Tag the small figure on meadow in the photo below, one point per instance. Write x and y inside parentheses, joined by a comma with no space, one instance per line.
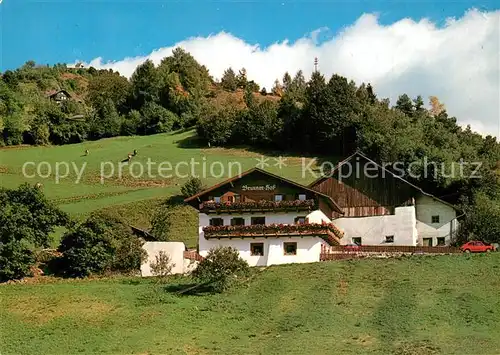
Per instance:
(86,152)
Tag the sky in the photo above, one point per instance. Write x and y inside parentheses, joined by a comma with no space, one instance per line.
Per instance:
(449,49)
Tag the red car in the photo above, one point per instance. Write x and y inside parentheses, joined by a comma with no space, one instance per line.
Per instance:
(475,246)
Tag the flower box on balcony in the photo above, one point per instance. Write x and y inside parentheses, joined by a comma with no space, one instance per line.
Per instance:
(262,205)
(329,231)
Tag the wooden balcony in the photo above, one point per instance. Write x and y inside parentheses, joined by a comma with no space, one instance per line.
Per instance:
(257,206)
(329,232)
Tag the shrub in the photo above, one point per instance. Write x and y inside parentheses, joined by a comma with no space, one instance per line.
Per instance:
(191,187)
(155,119)
(220,268)
(100,244)
(162,266)
(162,222)
(130,123)
(15,261)
(41,134)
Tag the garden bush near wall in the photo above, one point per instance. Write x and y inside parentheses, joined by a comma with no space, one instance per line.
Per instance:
(98,245)
(221,268)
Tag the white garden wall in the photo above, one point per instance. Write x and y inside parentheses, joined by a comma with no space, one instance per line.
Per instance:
(308,249)
(174,249)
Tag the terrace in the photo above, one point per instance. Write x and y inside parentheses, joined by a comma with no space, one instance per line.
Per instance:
(257,206)
(328,231)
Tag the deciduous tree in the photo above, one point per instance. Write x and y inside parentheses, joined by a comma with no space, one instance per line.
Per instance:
(27,220)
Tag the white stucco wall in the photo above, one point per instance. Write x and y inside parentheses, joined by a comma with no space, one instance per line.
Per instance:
(373,230)
(426,207)
(308,248)
(174,249)
(318,217)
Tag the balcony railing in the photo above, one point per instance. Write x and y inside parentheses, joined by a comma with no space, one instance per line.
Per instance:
(262,205)
(328,231)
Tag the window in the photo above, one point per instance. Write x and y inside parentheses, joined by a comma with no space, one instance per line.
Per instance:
(237,221)
(441,241)
(290,248)
(302,197)
(278,198)
(389,239)
(356,240)
(217,199)
(216,222)
(257,249)
(237,198)
(230,199)
(427,242)
(258,220)
(435,219)
(300,220)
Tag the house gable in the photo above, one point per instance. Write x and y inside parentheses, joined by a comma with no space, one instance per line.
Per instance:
(257,185)
(433,212)
(362,187)
(59,95)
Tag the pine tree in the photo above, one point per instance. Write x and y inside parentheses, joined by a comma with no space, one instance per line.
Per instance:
(228,80)
(405,105)
(241,79)
(287,82)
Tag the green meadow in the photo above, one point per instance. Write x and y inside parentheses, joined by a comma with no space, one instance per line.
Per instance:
(415,305)
(124,191)
(410,306)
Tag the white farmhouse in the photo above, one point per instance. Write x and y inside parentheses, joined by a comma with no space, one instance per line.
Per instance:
(268,219)
(271,220)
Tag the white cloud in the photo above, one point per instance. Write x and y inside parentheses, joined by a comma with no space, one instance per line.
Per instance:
(459,63)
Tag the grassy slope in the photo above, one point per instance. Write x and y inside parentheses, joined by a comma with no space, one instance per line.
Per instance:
(426,305)
(133,199)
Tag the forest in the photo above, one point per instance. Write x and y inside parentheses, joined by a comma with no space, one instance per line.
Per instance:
(327,117)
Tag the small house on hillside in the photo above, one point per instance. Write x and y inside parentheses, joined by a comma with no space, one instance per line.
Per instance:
(59,96)
(270,220)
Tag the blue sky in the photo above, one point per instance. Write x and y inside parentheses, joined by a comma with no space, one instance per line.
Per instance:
(66,30)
